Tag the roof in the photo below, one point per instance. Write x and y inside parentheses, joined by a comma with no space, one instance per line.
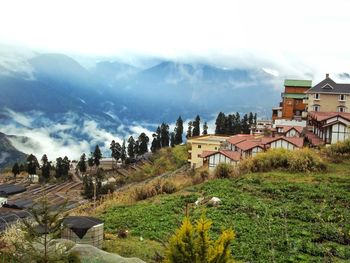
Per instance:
(297,141)
(297,83)
(330,86)
(19,204)
(247,145)
(233,155)
(322,116)
(81,224)
(11,189)
(216,139)
(239,138)
(294,95)
(287,128)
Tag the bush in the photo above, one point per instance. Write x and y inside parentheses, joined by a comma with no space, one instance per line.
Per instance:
(168,188)
(142,193)
(301,160)
(338,150)
(107,188)
(224,170)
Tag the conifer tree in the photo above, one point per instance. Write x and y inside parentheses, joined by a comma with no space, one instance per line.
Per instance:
(46,167)
(245,124)
(65,167)
(205,128)
(172,139)
(250,119)
(15,170)
(143,143)
(196,126)
(97,156)
(82,164)
(137,148)
(237,125)
(32,164)
(164,135)
(123,153)
(179,129)
(220,123)
(59,167)
(189,130)
(116,150)
(131,146)
(91,160)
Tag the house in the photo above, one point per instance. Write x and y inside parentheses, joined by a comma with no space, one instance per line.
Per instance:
(199,144)
(329,96)
(213,158)
(292,105)
(261,127)
(328,127)
(288,143)
(287,131)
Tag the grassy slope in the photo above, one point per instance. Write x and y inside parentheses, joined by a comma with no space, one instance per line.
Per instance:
(277,216)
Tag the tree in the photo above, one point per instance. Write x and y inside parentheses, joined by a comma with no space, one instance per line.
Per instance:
(65,167)
(245,124)
(250,119)
(131,145)
(164,135)
(238,124)
(220,123)
(82,164)
(97,156)
(143,143)
(189,130)
(46,167)
(196,126)
(179,129)
(116,149)
(123,152)
(193,244)
(205,128)
(137,148)
(15,170)
(156,143)
(32,164)
(172,139)
(91,160)
(59,167)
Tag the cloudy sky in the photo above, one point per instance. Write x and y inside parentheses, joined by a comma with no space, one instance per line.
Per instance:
(295,37)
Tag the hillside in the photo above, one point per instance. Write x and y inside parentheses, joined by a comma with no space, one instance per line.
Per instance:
(8,153)
(277,216)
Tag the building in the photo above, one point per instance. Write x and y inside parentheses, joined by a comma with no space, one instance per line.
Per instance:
(293,104)
(287,131)
(203,143)
(328,127)
(213,158)
(329,96)
(261,127)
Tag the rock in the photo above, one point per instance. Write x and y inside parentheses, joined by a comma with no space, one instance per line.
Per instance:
(88,253)
(215,201)
(199,201)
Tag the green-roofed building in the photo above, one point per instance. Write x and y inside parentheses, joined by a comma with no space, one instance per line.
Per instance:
(292,106)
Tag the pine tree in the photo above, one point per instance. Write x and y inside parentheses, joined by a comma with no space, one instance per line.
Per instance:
(123,152)
(251,119)
(164,135)
(179,129)
(172,139)
(245,124)
(237,125)
(196,126)
(15,170)
(65,167)
(116,150)
(59,167)
(143,145)
(137,148)
(32,164)
(205,128)
(189,130)
(131,146)
(255,118)
(97,156)
(46,167)
(82,164)
(91,160)
(220,123)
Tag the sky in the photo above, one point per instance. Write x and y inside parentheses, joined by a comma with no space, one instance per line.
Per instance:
(284,37)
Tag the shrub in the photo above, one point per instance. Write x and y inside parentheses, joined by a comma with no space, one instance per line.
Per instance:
(224,170)
(107,188)
(338,150)
(168,188)
(142,193)
(306,160)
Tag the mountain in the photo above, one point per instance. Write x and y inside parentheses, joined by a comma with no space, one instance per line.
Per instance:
(8,153)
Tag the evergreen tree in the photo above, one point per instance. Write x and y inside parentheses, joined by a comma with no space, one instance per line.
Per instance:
(237,124)
(179,129)
(65,167)
(220,123)
(15,170)
(255,118)
(82,164)
(205,128)
(164,135)
(116,150)
(59,167)
(189,130)
(46,167)
(251,119)
(97,156)
(156,142)
(123,152)
(172,139)
(131,146)
(91,160)
(143,143)
(32,164)
(196,126)
(137,148)
(245,124)
(88,186)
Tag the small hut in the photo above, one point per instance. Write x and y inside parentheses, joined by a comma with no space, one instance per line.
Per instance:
(83,230)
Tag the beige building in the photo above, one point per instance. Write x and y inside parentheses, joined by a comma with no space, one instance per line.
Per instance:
(329,96)
(203,143)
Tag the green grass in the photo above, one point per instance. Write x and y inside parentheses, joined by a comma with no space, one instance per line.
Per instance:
(277,216)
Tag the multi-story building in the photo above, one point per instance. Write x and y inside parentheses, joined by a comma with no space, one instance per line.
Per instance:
(329,96)
(203,143)
(292,105)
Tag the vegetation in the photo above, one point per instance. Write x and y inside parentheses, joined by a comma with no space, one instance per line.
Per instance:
(300,160)
(224,170)
(338,151)
(234,124)
(278,216)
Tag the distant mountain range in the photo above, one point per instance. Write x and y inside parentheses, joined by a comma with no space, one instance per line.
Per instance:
(8,153)
(114,96)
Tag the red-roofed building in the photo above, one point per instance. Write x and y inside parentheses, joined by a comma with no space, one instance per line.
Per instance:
(212,159)
(288,131)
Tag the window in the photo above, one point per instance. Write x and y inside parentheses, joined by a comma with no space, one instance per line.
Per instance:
(216,148)
(341,109)
(199,146)
(317,96)
(316,108)
(342,97)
